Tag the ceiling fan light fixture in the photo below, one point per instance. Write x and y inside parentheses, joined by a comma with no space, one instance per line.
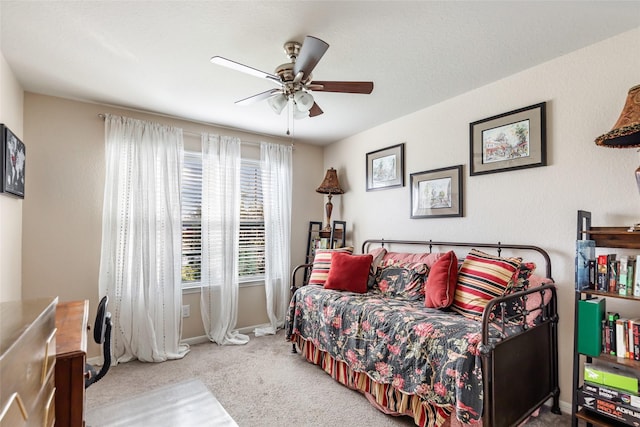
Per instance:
(297,114)
(304,101)
(277,103)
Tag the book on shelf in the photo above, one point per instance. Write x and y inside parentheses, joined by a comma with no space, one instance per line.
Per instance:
(615,410)
(631,270)
(602,273)
(590,315)
(610,333)
(636,279)
(585,252)
(616,376)
(613,273)
(623,269)
(622,337)
(613,394)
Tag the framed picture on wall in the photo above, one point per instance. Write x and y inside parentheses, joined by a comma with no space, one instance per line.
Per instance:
(13,163)
(509,141)
(385,168)
(437,193)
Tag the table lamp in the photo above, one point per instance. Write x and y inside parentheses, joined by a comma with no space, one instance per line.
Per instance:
(626,131)
(330,185)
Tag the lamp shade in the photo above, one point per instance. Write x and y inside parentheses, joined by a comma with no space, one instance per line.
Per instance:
(626,131)
(297,114)
(304,100)
(277,103)
(330,184)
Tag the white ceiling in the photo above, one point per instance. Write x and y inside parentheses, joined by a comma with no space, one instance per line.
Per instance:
(154,55)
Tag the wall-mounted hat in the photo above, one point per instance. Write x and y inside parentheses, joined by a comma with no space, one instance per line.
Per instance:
(626,131)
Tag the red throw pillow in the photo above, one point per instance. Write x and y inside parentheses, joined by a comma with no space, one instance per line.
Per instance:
(441,282)
(349,272)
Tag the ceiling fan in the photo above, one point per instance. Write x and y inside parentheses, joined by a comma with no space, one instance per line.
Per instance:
(294,79)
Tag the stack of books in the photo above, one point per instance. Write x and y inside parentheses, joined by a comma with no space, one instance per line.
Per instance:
(621,336)
(612,392)
(601,332)
(616,274)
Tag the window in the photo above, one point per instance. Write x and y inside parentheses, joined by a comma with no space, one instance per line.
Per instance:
(251,251)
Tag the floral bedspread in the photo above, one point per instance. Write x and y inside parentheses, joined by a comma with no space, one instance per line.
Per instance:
(422,351)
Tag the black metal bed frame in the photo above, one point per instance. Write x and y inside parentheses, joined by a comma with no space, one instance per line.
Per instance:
(520,372)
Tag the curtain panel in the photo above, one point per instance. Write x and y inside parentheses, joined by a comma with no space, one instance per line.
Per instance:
(276,166)
(140,264)
(221,165)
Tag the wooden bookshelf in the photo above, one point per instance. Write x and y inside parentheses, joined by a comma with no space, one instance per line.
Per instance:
(615,237)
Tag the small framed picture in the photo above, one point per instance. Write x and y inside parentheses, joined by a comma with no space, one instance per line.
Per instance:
(13,163)
(437,193)
(385,168)
(509,141)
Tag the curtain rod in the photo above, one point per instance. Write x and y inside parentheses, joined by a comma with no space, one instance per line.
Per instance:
(103,116)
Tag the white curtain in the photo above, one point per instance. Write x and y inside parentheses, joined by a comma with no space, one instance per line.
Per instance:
(140,262)
(220,238)
(275,163)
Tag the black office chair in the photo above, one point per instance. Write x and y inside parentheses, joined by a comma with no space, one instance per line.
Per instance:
(102,335)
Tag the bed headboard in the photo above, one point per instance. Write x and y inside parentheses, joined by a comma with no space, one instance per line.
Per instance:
(431,245)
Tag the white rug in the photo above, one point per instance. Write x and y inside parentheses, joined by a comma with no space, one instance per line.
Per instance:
(188,403)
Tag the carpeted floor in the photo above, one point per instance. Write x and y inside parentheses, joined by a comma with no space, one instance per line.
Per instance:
(260,384)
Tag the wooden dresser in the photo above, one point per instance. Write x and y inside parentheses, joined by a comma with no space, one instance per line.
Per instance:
(27,360)
(71,356)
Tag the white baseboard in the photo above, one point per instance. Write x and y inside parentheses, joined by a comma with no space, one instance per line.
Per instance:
(204,339)
(195,340)
(565,407)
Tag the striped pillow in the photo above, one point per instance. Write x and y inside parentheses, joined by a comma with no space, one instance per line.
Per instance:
(481,278)
(322,263)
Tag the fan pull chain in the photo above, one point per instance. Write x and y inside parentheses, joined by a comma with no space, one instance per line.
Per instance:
(290,121)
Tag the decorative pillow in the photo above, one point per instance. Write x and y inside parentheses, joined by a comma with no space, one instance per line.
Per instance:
(322,262)
(377,254)
(403,257)
(441,282)
(402,280)
(521,282)
(349,272)
(535,299)
(481,278)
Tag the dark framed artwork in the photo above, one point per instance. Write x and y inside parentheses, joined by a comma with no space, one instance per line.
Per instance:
(437,193)
(13,162)
(509,141)
(385,168)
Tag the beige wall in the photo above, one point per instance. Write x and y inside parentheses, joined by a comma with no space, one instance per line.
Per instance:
(11,103)
(585,91)
(63,211)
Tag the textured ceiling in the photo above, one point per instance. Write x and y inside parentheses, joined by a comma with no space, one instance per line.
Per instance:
(154,55)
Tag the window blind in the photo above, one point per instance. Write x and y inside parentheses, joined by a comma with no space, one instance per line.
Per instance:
(191,218)
(251,236)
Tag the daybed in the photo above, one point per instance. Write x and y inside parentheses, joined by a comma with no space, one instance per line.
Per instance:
(443,337)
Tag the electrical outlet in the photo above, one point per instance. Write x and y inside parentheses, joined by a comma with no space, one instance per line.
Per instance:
(186,310)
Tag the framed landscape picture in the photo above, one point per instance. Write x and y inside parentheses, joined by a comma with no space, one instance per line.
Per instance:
(437,193)
(509,141)
(12,163)
(385,168)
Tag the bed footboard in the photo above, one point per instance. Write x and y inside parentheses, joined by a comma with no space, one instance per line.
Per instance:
(520,369)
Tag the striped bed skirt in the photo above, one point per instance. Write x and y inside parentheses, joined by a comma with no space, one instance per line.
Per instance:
(385,397)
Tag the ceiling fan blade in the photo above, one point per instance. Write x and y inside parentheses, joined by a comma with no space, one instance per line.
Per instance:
(315,110)
(219,60)
(310,53)
(345,87)
(258,97)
